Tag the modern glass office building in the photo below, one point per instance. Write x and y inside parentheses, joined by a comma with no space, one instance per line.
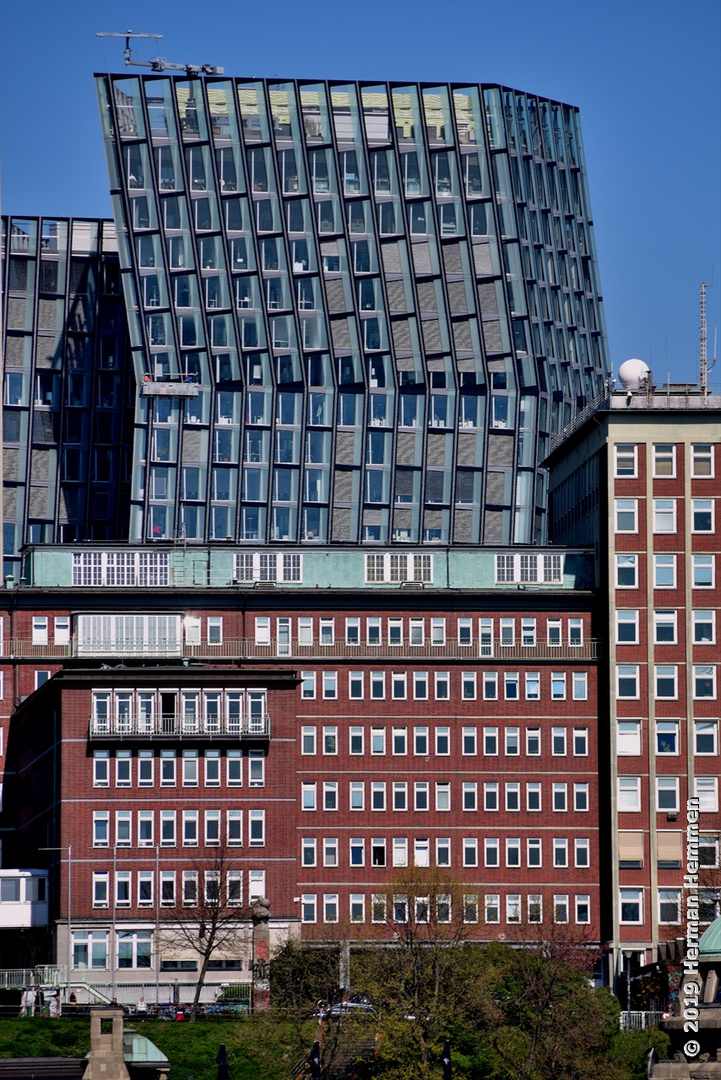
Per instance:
(68,395)
(357,312)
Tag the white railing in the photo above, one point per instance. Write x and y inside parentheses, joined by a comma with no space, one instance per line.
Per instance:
(639,1021)
(44,975)
(249,648)
(181,726)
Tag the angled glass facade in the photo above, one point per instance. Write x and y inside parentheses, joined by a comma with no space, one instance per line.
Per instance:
(68,395)
(357,312)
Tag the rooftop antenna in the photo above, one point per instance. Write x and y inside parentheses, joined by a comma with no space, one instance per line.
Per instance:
(158,63)
(702,352)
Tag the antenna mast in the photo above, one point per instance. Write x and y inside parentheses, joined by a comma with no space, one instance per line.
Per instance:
(703,343)
(158,63)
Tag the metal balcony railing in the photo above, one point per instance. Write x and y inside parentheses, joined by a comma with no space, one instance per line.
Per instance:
(44,975)
(180,726)
(249,649)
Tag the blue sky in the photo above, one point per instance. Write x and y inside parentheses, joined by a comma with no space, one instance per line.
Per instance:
(644,74)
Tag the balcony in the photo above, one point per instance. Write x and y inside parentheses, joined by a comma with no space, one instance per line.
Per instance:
(23,899)
(180,726)
(292,649)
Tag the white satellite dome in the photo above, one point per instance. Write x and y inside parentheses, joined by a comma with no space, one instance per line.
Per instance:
(631,372)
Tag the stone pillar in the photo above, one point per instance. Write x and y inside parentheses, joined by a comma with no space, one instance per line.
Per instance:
(107,1059)
(261,955)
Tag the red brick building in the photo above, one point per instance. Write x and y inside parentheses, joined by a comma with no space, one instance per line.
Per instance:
(325,741)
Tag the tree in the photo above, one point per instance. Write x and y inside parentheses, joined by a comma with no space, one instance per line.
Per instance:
(210,918)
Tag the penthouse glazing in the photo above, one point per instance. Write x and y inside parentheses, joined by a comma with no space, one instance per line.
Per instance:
(357,312)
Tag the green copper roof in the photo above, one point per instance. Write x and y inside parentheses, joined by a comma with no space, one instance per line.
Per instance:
(710,943)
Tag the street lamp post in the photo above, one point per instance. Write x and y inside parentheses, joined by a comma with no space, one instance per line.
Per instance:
(69,849)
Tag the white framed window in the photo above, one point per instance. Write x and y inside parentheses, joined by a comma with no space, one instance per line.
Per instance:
(330,685)
(101,768)
(234,768)
(534,852)
(357,907)
(256,768)
(308,741)
(512,742)
(558,742)
(420,685)
(308,796)
(123,889)
(443,795)
(664,460)
(560,852)
(579,681)
(420,741)
(330,851)
(580,797)
(575,632)
(378,741)
(703,569)
(629,794)
(352,631)
(146,828)
(702,463)
(398,685)
(513,908)
(533,742)
(268,566)
(123,768)
(535,907)
(558,685)
(470,795)
(703,515)
(442,685)
(669,905)
(628,739)
(583,908)
(101,828)
(528,633)
(626,460)
(704,627)
(513,851)
(627,626)
(706,789)
(400,851)
(443,851)
(490,741)
(664,515)
(234,828)
(40,630)
(378,685)
(704,682)
(307,687)
(626,571)
(667,796)
(533,796)
(468,685)
(61,628)
(214,629)
(190,828)
(631,906)
(666,681)
(626,515)
(470,908)
(667,737)
(560,908)
(308,908)
(167,828)
(443,741)
(664,571)
(357,853)
(533,686)
(491,851)
(560,798)
(357,794)
(397,568)
(330,796)
(664,627)
(326,632)
(627,683)
(356,740)
(490,796)
(554,632)
(510,685)
(705,737)
(490,685)
(469,742)
(492,908)
(256,828)
(101,889)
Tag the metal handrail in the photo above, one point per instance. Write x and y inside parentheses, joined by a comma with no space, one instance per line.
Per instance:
(248,648)
(43,975)
(180,726)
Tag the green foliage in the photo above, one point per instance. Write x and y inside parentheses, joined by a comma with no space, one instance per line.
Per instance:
(630,1047)
(260,1046)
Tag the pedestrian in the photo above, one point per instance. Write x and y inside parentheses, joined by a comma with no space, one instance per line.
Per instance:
(72,1000)
(54,1005)
(27,1001)
(142,1006)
